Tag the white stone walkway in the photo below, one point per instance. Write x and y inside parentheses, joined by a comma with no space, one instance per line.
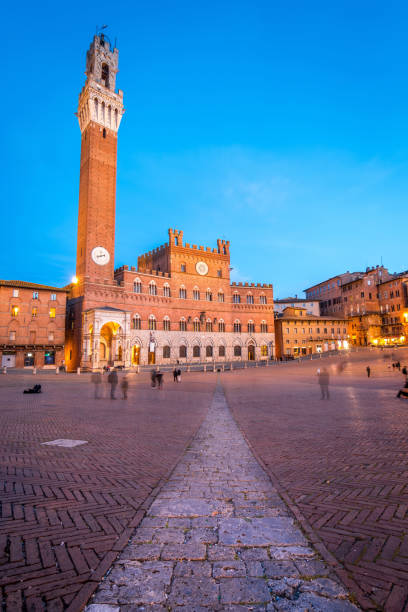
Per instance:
(219,537)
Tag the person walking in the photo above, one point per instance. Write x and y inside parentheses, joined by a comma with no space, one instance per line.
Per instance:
(368,371)
(159,376)
(124,385)
(97,381)
(175,374)
(179,375)
(323,380)
(113,381)
(153,377)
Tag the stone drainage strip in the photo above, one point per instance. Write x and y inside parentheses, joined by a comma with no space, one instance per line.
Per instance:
(219,537)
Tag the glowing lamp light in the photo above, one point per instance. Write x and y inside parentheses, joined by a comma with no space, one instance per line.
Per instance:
(74,280)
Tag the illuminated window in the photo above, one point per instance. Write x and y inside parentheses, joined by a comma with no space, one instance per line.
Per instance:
(14,311)
(152,322)
(53,296)
(221,326)
(166,324)
(52,313)
(264,350)
(34,312)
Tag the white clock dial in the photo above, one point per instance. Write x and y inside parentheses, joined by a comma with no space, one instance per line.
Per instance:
(100,255)
(201,268)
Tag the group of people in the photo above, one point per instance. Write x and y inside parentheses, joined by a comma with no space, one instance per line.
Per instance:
(113,381)
(157,379)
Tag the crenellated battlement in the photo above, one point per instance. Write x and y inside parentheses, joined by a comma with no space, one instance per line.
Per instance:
(255,285)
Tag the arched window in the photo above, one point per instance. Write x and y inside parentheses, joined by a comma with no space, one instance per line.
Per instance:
(137,322)
(109,116)
(182,293)
(250,298)
(105,75)
(221,325)
(264,327)
(221,351)
(208,325)
(262,299)
(96,108)
(221,296)
(116,117)
(196,293)
(196,351)
(251,327)
(183,324)
(103,111)
(264,350)
(196,324)
(152,322)
(152,288)
(137,286)
(237,327)
(166,352)
(237,351)
(166,290)
(166,323)
(176,241)
(236,298)
(209,351)
(183,351)
(208,295)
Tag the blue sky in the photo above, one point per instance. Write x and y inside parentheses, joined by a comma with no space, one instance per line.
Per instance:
(280,126)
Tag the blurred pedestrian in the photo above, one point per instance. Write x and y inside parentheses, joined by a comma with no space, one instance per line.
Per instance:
(175,374)
(368,371)
(398,365)
(124,385)
(179,375)
(153,377)
(323,379)
(159,376)
(113,381)
(97,381)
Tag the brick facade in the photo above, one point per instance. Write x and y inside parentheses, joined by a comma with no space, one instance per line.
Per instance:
(32,324)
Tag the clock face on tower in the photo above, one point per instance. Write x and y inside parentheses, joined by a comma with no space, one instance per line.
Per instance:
(100,255)
(202,268)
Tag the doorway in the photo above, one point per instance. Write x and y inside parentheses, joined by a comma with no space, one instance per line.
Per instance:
(135,355)
(152,357)
(251,352)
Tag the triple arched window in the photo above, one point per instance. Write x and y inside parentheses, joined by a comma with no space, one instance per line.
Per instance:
(236,298)
(152,322)
(152,288)
(183,324)
(166,323)
(251,327)
(237,326)
(137,322)
(221,325)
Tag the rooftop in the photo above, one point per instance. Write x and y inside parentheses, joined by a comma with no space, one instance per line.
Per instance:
(25,285)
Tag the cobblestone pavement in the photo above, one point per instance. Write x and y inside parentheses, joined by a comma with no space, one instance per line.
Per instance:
(66,513)
(219,537)
(343,463)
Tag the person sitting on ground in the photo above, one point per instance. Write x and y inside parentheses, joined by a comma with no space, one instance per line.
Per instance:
(35,389)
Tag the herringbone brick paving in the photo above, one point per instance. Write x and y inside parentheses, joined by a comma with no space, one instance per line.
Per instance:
(343,462)
(67,512)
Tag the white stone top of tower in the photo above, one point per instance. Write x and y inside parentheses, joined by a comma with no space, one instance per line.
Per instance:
(98,101)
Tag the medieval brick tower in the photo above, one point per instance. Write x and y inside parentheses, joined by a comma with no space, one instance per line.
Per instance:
(100,110)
